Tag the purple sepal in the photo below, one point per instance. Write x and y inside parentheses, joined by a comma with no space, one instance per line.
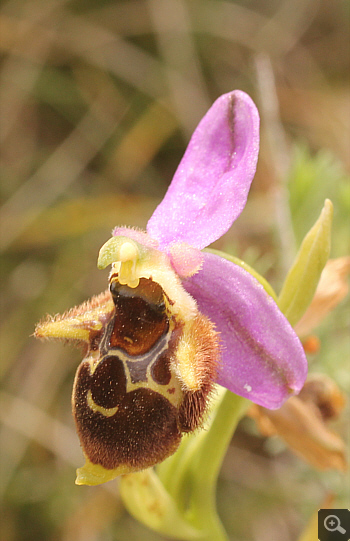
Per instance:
(211,185)
(262,357)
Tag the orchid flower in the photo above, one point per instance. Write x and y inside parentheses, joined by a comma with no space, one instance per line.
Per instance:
(176,320)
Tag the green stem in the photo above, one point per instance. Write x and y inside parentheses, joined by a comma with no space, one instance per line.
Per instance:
(206,468)
(224,423)
(184,490)
(176,470)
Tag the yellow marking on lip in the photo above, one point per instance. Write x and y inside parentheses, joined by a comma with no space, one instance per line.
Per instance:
(107,412)
(94,361)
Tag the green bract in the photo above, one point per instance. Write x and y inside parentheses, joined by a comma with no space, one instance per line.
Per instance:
(146,498)
(302,279)
(179,500)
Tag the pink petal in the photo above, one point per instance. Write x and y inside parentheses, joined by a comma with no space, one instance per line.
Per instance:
(185,259)
(262,357)
(210,187)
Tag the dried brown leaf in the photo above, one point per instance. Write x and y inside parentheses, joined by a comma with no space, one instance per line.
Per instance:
(300,422)
(331,290)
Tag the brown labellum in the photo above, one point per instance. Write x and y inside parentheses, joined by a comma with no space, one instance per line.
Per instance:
(132,397)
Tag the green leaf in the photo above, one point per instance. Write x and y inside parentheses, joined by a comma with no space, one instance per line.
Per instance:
(302,279)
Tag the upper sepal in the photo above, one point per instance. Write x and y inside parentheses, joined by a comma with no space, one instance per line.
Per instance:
(211,185)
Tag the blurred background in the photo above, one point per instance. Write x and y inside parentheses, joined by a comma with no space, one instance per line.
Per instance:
(98,100)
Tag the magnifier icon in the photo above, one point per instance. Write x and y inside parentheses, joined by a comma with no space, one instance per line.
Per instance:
(332,524)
